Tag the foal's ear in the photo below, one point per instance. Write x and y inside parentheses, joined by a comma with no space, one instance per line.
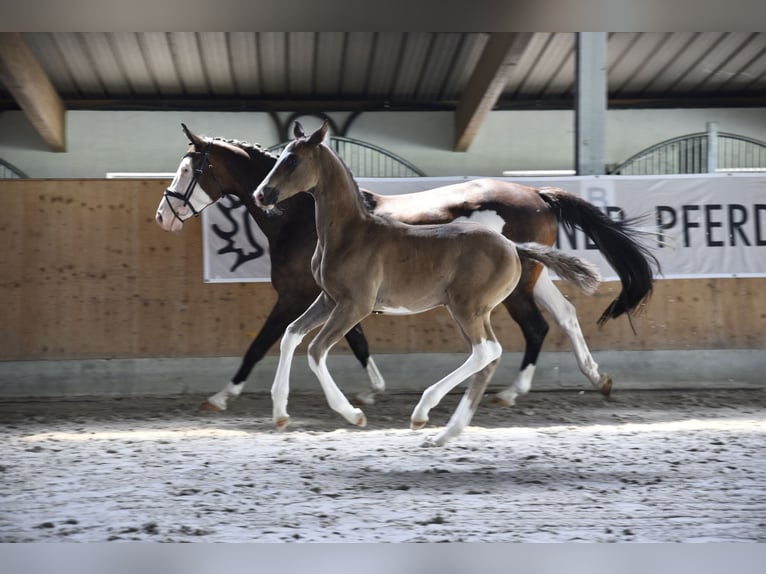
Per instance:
(298,130)
(318,136)
(193,138)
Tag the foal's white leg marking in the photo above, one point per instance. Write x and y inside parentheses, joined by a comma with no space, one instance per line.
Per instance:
(230,391)
(481,356)
(281,387)
(377,384)
(565,315)
(520,386)
(335,397)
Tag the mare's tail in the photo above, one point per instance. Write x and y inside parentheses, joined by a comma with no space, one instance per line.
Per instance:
(572,269)
(618,242)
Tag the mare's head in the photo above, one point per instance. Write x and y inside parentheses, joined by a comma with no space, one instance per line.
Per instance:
(195,186)
(296,170)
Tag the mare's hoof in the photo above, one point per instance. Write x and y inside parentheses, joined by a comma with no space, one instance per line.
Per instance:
(281,424)
(417,425)
(499,401)
(363,399)
(361,421)
(208,406)
(605,385)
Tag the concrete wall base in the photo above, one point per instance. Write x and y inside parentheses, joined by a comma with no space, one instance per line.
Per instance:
(631,370)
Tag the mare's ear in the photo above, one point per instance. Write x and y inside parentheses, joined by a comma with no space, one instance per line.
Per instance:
(318,136)
(298,130)
(194,139)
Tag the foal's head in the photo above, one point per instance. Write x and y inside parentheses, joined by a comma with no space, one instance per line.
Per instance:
(296,170)
(194,187)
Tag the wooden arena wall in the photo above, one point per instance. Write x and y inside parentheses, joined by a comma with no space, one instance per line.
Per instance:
(86,273)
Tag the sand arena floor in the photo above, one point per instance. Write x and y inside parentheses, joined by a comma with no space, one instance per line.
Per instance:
(664,466)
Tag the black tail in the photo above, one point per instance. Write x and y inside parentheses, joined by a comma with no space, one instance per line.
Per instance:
(618,242)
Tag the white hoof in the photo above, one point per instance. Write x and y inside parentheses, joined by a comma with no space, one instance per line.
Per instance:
(365,398)
(216,403)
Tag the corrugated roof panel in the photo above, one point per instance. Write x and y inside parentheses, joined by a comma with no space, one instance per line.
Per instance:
(715,68)
(710,45)
(356,61)
(403,68)
(329,63)
(526,75)
(74,54)
(300,63)
(678,62)
(128,52)
(412,64)
(245,70)
(562,80)
(273,62)
(105,64)
(637,64)
(155,47)
(441,59)
(746,65)
(50,58)
(185,49)
(557,52)
(214,52)
(469,50)
(384,64)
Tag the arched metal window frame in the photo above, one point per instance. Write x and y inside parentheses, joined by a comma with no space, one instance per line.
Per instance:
(700,139)
(338,142)
(9,167)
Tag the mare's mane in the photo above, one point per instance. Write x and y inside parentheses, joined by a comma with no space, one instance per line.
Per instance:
(255,151)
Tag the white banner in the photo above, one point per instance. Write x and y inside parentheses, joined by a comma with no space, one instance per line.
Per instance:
(706,225)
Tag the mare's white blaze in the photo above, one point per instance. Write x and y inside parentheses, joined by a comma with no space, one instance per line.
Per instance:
(199,198)
(565,315)
(220,399)
(486,217)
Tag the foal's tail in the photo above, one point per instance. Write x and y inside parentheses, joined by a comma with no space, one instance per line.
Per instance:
(572,269)
(618,242)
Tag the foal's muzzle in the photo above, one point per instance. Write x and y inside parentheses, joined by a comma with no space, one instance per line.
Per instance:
(266,197)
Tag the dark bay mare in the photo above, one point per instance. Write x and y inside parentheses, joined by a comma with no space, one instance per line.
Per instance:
(368,263)
(214,167)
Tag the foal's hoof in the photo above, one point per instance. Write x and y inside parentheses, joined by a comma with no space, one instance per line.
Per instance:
(605,385)
(281,424)
(208,406)
(417,425)
(361,421)
(500,401)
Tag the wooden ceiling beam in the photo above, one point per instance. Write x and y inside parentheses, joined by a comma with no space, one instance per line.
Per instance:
(488,80)
(30,86)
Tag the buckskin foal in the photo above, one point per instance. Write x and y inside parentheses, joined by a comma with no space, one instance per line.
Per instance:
(366,263)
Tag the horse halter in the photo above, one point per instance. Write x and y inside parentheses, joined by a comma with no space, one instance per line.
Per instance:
(185,197)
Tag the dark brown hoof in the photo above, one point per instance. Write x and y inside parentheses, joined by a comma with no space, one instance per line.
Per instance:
(417,425)
(605,385)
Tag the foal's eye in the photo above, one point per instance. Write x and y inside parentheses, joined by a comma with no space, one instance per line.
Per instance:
(290,162)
